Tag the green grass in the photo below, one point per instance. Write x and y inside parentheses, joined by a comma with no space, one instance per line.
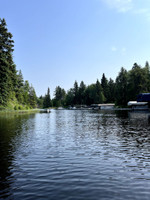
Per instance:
(13,106)
(10,111)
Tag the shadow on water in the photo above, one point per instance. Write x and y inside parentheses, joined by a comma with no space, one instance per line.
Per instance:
(11,126)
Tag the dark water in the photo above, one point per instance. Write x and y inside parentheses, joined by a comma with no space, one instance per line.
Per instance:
(74,154)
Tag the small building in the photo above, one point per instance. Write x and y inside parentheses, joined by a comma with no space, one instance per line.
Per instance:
(109,106)
(134,105)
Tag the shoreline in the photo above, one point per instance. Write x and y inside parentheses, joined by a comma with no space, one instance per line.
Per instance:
(19,111)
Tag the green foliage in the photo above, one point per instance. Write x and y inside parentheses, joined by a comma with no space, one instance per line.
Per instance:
(7,67)
(40,102)
(81,93)
(32,97)
(59,97)
(127,86)
(16,107)
(14,93)
(105,86)
(99,98)
(121,94)
(138,80)
(56,103)
(111,91)
(76,93)
(47,100)
(2,108)
(94,94)
(70,97)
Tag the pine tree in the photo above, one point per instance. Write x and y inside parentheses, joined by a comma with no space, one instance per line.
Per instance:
(7,66)
(19,87)
(60,95)
(76,93)
(111,91)
(82,89)
(99,93)
(121,90)
(26,89)
(32,97)
(104,84)
(47,100)
(70,97)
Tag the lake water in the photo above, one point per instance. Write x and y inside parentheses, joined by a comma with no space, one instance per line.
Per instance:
(75,154)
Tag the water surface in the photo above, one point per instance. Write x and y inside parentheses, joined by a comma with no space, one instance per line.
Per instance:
(75,154)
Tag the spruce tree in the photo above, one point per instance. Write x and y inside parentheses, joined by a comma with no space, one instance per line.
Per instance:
(121,89)
(104,84)
(82,89)
(47,100)
(7,66)
(32,97)
(76,93)
(19,87)
(99,93)
(60,95)
(111,91)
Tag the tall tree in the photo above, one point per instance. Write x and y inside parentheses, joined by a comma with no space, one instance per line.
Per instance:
(7,66)
(81,93)
(47,100)
(138,81)
(40,102)
(90,94)
(104,84)
(32,97)
(26,89)
(99,93)
(111,91)
(70,97)
(19,89)
(76,93)
(94,94)
(59,96)
(121,92)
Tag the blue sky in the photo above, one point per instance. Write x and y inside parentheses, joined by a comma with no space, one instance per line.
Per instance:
(60,41)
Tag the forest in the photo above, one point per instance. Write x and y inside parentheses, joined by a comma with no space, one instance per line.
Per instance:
(126,87)
(16,93)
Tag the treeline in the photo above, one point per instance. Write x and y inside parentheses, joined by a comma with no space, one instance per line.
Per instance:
(14,91)
(126,87)
(19,94)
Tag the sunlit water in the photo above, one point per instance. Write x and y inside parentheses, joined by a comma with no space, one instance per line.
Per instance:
(75,154)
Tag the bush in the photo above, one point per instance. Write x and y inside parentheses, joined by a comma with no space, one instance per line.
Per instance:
(27,107)
(16,107)
(20,107)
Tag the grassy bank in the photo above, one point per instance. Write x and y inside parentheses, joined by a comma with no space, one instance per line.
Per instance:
(9,111)
(13,106)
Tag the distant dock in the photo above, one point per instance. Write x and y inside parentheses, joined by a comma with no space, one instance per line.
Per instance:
(109,106)
(45,110)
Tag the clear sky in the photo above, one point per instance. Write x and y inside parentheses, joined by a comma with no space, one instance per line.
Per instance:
(60,41)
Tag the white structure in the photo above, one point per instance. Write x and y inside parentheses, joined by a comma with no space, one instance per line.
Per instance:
(108,106)
(138,105)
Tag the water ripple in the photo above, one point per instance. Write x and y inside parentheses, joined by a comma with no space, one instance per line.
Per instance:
(75,155)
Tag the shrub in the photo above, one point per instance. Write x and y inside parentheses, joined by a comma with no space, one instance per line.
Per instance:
(16,107)
(20,107)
